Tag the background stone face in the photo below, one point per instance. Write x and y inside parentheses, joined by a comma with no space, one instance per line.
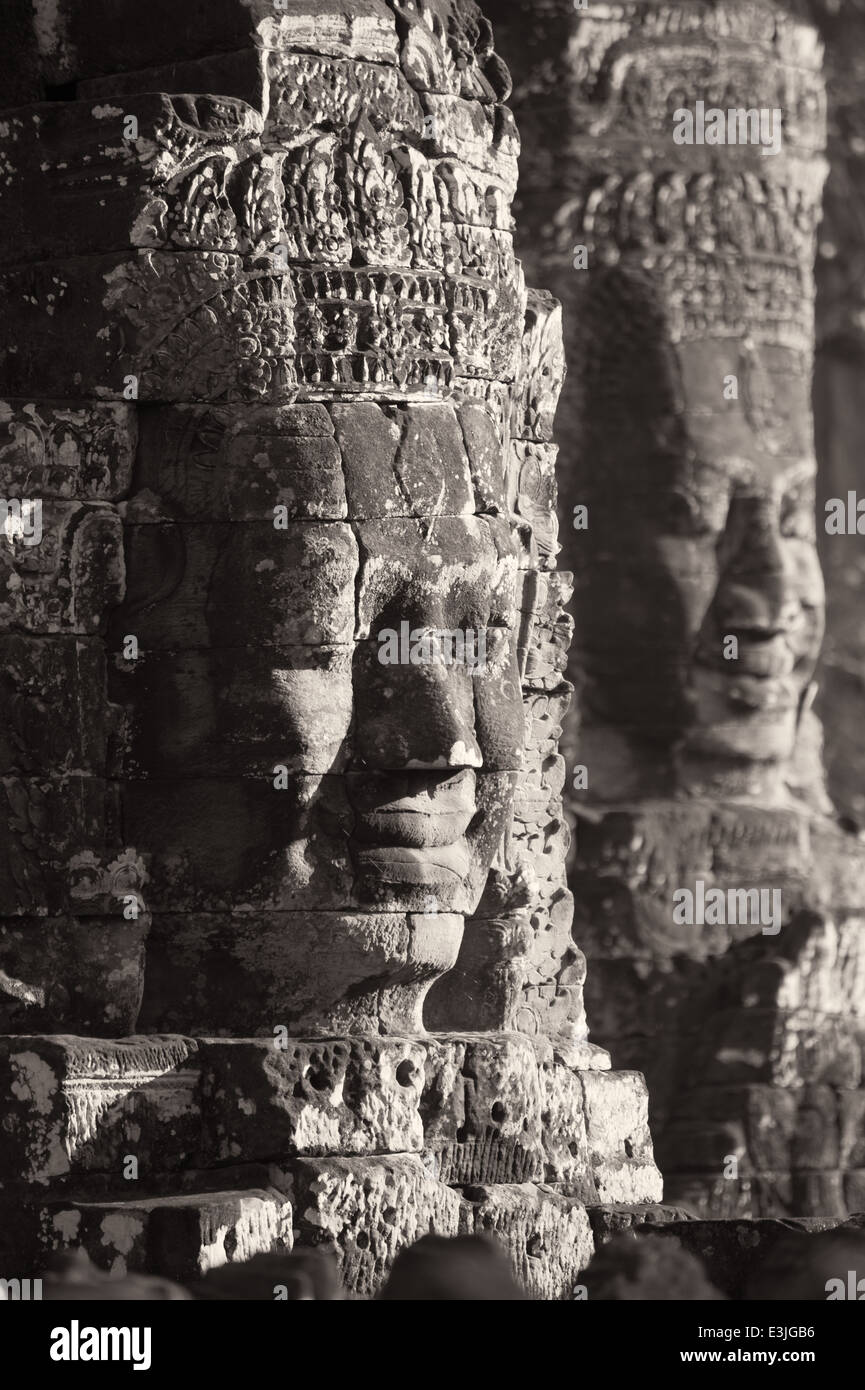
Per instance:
(630,230)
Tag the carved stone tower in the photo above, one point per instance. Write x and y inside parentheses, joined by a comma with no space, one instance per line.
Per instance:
(683,250)
(276,384)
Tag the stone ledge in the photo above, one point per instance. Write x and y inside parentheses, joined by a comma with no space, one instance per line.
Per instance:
(481,1108)
(178,1237)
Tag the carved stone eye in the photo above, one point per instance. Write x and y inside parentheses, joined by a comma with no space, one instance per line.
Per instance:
(683,515)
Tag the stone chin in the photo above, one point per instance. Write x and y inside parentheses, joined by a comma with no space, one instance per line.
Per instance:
(318,973)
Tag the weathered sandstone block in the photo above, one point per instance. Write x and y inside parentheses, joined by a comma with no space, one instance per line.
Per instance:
(341,1096)
(548,1235)
(76,1105)
(368,1208)
(178,1237)
(617,1130)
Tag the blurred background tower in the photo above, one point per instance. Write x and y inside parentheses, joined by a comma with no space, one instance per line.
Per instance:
(686,275)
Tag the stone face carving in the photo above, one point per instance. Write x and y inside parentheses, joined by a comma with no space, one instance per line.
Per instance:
(694,328)
(717,539)
(299,563)
(686,273)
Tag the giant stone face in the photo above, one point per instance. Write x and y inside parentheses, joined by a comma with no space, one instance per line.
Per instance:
(700,602)
(287,781)
(335,684)
(701,531)
(327,330)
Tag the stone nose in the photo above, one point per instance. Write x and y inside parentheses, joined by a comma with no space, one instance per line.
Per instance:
(415,717)
(438,718)
(758,591)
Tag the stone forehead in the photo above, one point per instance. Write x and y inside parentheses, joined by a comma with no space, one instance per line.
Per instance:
(707,470)
(721,397)
(356,461)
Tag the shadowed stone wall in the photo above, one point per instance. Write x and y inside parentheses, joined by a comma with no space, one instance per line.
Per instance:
(837,392)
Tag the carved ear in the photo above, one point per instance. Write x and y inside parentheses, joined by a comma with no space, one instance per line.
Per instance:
(805,775)
(484,41)
(633,359)
(93,547)
(156,554)
(530,602)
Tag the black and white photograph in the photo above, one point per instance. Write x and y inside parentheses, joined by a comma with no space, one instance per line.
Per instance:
(432,671)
